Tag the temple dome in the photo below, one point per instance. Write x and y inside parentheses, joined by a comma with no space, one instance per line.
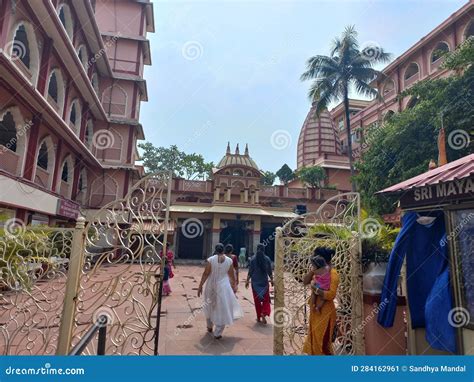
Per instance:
(237,159)
(318,138)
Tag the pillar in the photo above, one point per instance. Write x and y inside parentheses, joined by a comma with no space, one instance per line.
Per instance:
(57,164)
(257,229)
(84,119)
(246,195)
(216,230)
(217,193)
(75,178)
(44,66)
(228,194)
(257,196)
(30,161)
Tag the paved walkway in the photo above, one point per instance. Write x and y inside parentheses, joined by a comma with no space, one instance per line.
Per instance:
(183,325)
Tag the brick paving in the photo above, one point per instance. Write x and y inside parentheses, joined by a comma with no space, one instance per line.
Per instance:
(183,325)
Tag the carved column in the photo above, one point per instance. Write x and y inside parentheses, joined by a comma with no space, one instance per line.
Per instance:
(228,194)
(246,195)
(217,193)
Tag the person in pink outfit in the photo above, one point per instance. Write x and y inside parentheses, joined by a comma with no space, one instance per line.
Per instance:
(321,280)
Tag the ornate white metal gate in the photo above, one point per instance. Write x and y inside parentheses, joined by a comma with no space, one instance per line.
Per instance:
(57,282)
(336,225)
(116,272)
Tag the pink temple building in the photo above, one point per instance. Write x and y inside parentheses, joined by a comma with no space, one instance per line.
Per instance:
(71,83)
(421,61)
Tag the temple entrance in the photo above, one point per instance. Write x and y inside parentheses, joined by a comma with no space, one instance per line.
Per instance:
(267,237)
(235,233)
(190,247)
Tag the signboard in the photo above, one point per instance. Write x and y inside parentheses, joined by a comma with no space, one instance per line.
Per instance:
(67,209)
(437,194)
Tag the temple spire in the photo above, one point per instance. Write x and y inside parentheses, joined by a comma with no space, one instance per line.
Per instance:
(237,151)
(246,149)
(228,149)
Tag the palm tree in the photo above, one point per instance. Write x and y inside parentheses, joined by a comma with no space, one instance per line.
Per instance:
(347,67)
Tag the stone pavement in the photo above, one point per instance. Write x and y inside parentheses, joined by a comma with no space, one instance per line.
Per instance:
(183,325)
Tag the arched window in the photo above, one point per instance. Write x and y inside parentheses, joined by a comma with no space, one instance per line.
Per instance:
(21,47)
(24,50)
(388,116)
(12,140)
(45,163)
(43,157)
(65,172)
(56,90)
(237,172)
(75,116)
(411,71)
(72,116)
(65,183)
(95,83)
(412,103)
(53,87)
(89,133)
(114,100)
(8,137)
(469,31)
(65,16)
(439,51)
(103,190)
(388,87)
(82,187)
(82,54)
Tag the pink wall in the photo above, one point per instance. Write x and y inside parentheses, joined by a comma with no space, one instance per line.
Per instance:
(115,16)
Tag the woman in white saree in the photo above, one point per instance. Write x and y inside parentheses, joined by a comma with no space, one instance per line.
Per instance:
(221,307)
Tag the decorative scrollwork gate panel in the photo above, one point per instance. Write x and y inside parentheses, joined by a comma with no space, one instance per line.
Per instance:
(335,224)
(121,258)
(33,273)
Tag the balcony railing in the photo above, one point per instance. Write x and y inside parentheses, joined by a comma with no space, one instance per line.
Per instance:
(20,65)
(124,66)
(42,177)
(9,160)
(65,189)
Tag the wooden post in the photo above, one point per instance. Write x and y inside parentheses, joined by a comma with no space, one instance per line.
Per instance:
(279,292)
(72,285)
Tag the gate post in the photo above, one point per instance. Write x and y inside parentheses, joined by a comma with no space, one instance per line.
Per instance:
(357,299)
(279,294)
(72,284)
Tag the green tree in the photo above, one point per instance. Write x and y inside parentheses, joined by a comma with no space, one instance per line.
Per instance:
(285,174)
(189,166)
(345,68)
(268,178)
(312,176)
(403,146)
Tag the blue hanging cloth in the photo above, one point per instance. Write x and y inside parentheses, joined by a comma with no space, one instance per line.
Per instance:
(427,258)
(440,334)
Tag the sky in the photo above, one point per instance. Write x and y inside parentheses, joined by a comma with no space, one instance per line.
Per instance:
(229,70)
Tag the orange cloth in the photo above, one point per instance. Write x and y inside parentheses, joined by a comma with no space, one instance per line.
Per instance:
(321,324)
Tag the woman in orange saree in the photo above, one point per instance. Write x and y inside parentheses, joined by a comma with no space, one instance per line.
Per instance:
(321,323)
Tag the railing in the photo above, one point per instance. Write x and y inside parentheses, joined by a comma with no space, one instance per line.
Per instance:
(99,325)
(65,189)
(124,66)
(42,177)
(9,160)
